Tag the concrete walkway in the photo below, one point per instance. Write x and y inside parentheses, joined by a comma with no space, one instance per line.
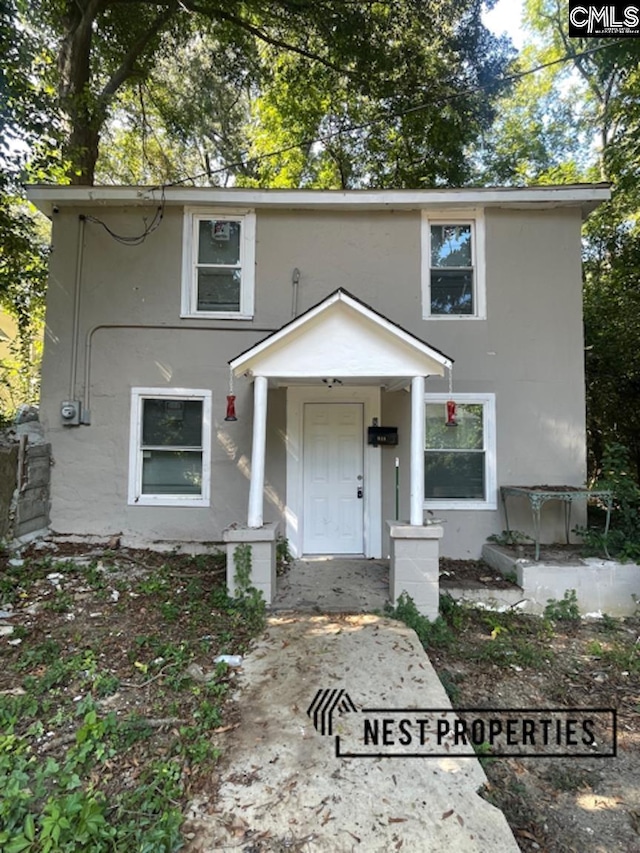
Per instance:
(334,585)
(281,785)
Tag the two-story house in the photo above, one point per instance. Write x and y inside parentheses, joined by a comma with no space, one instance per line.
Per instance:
(341,322)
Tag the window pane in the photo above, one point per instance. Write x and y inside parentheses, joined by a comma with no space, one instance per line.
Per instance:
(218,289)
(468,435)
(177,423)
(451,246)
(452,291)
(454,475)
(218,241)
(171,472)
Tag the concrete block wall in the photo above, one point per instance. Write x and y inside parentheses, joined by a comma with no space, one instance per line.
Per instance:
(33,503)
(25,472)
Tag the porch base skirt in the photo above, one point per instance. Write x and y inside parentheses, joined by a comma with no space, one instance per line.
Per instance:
(414,565)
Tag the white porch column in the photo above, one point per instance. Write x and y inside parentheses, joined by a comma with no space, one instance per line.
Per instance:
(417,451)
(258,451)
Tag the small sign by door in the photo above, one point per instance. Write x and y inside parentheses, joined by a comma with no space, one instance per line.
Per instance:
(382,435)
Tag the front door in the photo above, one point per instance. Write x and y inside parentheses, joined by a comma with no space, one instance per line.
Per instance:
(333,478)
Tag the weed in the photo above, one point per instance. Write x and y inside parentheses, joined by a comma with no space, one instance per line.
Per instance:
(450,681)
(154,585)
(284,557)
(105,684)
(509,538)
(242,562)
(45,653)
(62,602)
(483,751)
(436,633)
(506,649)
(622,541)
(170,610)
(565,610)
(568,778)
(608,623)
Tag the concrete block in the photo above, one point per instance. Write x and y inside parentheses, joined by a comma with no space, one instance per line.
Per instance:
(39,473)
(38,451)
(32,508)
(602,586)
(262,541)
(413,566)
(34,524)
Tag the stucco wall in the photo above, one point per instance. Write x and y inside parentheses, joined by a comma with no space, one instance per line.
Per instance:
(528,352)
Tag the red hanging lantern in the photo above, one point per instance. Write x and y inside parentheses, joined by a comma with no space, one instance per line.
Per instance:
(451,414)
(231,408)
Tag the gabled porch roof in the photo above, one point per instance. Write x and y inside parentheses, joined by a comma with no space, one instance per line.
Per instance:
(341,338)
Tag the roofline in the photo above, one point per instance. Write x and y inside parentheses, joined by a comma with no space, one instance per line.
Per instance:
(237,364)
(585,196)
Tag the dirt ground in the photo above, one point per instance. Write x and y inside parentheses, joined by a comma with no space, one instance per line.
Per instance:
(556,805)
(123,630)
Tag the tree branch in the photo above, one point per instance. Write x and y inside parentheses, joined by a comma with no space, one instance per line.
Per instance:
(242,24)
(126,68)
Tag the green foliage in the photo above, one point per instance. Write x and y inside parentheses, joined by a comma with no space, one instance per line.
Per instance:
(509,537)
(284,557)
(242,557)
(623,538)
(436,634)
(248,602)
(565,610)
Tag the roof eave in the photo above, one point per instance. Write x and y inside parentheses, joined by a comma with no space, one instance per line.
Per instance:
(585,196)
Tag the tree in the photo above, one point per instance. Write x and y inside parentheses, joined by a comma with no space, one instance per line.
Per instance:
(377,58)
(597,90)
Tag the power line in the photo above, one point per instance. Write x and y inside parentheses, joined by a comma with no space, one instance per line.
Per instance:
(512,78)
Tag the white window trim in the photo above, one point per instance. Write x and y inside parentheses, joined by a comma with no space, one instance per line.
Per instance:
(247,218)
(136,498)
(488,402)
(475,218)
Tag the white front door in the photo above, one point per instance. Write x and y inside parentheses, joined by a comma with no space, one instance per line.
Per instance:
(333,465)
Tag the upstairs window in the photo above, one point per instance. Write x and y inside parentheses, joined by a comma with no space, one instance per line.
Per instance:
(453,267)
(460,461)
(218,265)
(169,455)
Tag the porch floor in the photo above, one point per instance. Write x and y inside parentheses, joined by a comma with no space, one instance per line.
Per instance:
(334,585)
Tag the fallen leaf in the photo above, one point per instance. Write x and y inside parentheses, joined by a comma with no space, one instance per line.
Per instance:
(326,818)
(398,820)
(446,815)
(524,834)
(221,729)
(460,819)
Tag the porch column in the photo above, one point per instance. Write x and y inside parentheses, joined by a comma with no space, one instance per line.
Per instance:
(258,451)
(417,451)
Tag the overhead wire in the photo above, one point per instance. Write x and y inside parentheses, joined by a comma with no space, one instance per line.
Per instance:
(512,78)
(138,239)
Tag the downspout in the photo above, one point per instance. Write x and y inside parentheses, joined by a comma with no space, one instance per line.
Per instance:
(75,330)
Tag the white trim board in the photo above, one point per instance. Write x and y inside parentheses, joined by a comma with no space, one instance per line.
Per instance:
(135,496)
(584,196)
